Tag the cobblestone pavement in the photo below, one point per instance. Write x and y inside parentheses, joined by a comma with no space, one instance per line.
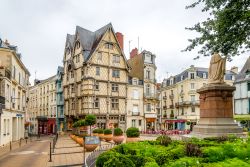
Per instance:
(34,154)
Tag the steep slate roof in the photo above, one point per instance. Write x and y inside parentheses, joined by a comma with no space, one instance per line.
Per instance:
(242,74)
(136,64)
(70,39)
(90,40)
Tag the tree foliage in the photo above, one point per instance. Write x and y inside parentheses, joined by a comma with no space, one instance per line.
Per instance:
(226,31)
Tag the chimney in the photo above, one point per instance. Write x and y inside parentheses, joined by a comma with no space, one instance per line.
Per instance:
(134,52)
(119,37)
(234,69)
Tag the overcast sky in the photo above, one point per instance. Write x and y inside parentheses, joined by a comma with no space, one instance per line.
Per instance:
(39,28)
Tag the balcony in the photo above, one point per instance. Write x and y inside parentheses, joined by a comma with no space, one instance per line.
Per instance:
(164,97)
(171,96)
(187,103)
(150,95)
(164,107)
(135,114)
(171,106)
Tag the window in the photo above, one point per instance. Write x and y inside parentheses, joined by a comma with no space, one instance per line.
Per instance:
(116,59)
(116,73)
(114,103)
(67,77)
(82,72)
(204,75)
(72,74)
(182,111)
(135,94)
(19,78)
(97,71)
(192,98)
(135,109)
(192,86)
(115,87)
(67,51)
(72,105)
(99,56)
(148,107)
(171,81)
(96,102)
(60,97)
(248,86)
(109,45)
(148,90)
(96,86)
(182,77)
(148,74)
(8,93)
(135,82)
(72,88)
(133,122)
(77,45)
(139,123)
(14,72)
(193,109)
(59,85)
(191,75)
(77,58)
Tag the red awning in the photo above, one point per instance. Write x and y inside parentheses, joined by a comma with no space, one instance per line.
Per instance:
(175,120)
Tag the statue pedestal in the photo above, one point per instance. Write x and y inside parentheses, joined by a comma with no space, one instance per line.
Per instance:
(216,112)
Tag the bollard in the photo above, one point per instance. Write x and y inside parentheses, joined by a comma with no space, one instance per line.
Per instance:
(26,140)
(10,146)
(50,159)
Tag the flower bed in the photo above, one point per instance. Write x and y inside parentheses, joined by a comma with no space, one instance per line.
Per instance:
(210,152)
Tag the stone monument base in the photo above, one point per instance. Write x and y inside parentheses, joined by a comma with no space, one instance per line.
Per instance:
(216,112)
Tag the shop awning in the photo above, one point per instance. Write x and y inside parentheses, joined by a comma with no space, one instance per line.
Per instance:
(175,120)
(150,119)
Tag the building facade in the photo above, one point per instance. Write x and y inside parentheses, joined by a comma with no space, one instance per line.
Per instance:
(95,77)
(242,95)
(143,67)
(43,106)
(14,80)
(135,112)
(179,101)
(60,122)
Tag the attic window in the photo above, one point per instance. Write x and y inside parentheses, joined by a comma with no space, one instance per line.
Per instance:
(77,45)
(109,45)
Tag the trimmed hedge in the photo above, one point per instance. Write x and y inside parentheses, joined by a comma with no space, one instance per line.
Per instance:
(118,132)
(133,132)
(107,131)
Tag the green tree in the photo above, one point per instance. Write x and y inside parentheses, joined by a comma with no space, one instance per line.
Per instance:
(226,31)
(90,120)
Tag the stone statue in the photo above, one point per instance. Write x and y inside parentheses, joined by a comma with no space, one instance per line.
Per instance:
(216,70)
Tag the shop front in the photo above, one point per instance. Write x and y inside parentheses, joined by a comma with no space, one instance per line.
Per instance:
(175,124)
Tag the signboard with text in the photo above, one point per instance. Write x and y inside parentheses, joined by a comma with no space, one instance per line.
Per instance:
(92,140)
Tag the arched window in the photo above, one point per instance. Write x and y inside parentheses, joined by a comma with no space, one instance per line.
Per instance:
(77,45)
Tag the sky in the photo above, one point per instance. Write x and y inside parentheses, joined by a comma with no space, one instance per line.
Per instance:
(39,28)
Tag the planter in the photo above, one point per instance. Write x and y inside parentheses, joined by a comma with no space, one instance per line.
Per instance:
(132,139)
(108,137)
(95,134)
(79,140)
(91,147)
(118,139)
(101,135)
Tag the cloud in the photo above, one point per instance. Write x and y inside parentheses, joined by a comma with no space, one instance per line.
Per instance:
(39,29)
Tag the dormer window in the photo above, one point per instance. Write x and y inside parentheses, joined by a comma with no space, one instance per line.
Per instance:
(171,81)
(77,45)
(192,75)
(204,75)
(182,77)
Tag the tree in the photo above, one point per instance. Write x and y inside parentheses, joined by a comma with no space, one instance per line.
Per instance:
(227,31)
(90,120)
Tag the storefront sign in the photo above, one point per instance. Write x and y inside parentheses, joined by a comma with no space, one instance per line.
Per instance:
(92,140)
(19,115)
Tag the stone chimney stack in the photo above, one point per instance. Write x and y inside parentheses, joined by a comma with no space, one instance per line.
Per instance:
(119,37)
(134,52)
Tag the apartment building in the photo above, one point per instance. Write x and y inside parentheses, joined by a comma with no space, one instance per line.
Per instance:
(14,80)
(143,67)
(179,100)
(60,122)
(42,106)
(242,95)
(95,77)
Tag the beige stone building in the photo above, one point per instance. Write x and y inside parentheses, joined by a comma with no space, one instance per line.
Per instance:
(135,106)
(143,67)
(14,80)
(95,77)
(42,106)
(179,100)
